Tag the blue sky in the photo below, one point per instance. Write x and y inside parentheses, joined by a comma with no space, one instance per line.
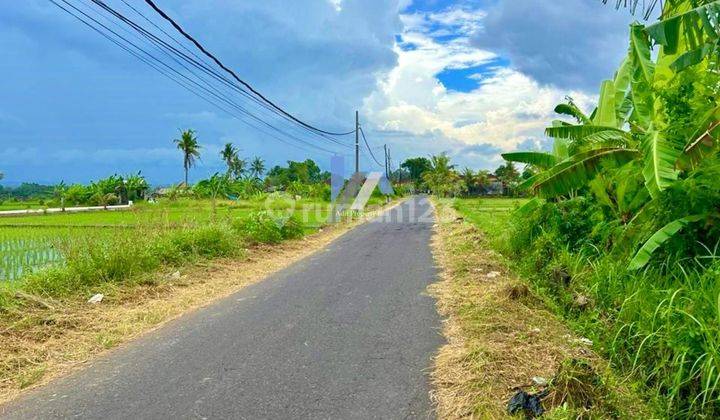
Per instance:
(472,78)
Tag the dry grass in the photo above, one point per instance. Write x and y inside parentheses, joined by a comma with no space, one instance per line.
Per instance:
(500,336)
(46,339)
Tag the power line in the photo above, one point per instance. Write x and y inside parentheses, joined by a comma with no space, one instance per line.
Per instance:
(369,149)
(149,62)
(200,65)
(235,76)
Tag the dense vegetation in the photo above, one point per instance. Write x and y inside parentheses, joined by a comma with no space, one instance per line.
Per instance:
(623,236)
(437,175)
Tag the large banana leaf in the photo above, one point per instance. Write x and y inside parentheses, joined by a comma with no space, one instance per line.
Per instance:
(643,75)
(695,56)
(538,159)
(577,132)
(561,149)
(609,138)
(537,178)
(660,156)
(640,52)
(607,113)
(572,110)
(579,170)
(695,27)
(623,99)
(689,36)
(642,257)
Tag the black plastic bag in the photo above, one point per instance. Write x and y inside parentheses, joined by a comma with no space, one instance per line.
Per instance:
(531,404)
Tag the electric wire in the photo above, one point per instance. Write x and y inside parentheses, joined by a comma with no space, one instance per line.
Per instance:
(369,149)
(200,65)
(181,83)
(235,76)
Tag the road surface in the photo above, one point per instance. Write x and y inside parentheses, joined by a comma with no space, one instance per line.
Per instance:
(347,333)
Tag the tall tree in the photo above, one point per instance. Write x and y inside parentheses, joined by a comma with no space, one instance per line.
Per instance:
(190,147)
(441,178)
(416,167)
(257,167)
(239,167)
(229,154)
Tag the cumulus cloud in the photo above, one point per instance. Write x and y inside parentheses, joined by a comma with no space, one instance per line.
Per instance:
(506,111)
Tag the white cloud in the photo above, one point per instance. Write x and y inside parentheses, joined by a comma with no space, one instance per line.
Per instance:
(336,4)
(507,108)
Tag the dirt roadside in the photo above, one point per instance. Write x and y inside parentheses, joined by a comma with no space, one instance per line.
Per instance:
(501,338)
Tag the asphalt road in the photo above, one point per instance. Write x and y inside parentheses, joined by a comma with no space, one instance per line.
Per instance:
(345,333)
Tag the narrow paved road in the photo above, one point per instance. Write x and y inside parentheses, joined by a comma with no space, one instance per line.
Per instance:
(346,333)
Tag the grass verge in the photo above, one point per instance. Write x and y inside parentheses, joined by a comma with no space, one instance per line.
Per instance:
(501,336)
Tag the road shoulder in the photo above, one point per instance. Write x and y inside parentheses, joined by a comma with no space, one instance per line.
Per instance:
(502,338)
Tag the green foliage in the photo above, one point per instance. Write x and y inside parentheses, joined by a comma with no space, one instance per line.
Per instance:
(416,167)
(579,170)
(307,172)
(537,159)
(266,228)
(572,110)
(442,179)
(638,186)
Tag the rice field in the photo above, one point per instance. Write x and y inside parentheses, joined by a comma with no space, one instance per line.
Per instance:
(34,242)
(22,250)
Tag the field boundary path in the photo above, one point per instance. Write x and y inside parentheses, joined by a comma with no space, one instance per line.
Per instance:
(348,332)
(31,212)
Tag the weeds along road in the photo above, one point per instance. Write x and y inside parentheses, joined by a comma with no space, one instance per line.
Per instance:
(345,333)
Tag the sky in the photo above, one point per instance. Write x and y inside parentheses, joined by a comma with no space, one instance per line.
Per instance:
(471,78)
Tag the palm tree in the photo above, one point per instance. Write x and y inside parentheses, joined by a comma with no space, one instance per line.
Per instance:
(229,154)
(239,167)
(468,176)
(190,147)
(441,178)
(257,167)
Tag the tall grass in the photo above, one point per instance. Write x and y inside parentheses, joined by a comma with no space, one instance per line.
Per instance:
(660,327)
(127,256)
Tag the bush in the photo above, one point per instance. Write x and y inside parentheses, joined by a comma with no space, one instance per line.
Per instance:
(262,227)
(292,229)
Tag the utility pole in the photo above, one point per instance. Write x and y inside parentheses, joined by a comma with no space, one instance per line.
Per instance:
(387,173)
(357,142)
(389,164)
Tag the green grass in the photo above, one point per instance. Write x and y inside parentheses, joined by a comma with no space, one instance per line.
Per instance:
(20,205)
(28,243)
(658,327)
(489,214)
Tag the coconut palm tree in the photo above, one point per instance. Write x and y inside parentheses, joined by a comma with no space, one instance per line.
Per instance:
(441,178)
(229,154)
(190,147)
(239,167)
(257,167)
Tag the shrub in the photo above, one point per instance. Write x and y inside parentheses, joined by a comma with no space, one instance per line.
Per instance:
(260,227)
(292,229)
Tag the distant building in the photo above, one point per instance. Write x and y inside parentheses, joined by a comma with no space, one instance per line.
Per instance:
(494,186)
